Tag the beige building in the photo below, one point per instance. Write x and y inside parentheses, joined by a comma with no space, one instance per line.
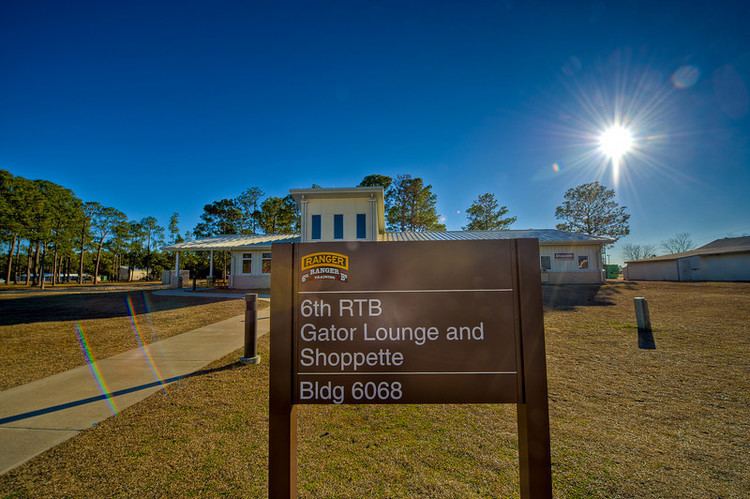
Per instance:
(128,274)
(725,259)
(358,214)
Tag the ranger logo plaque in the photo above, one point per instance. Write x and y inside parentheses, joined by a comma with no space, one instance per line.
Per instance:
(325,265)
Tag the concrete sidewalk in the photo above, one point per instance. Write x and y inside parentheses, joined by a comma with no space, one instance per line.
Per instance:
(41,414)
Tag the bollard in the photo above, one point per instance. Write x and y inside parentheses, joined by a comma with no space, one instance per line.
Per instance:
(642,316)
(251,329)
(643,319)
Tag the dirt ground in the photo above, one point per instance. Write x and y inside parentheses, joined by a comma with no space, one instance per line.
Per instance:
(626,422)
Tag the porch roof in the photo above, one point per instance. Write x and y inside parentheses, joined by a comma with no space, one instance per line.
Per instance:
(233,242)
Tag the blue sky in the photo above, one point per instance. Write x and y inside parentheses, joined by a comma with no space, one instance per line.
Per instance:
(161,107)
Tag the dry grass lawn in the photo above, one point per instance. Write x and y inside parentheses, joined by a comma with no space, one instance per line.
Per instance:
(38,330)
(670,422)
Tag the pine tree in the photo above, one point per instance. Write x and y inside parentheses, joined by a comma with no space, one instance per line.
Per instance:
(592,209)
(411,205)
(485,214)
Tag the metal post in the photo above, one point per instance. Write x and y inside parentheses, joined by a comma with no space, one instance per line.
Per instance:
(642,316)
(282,414)
(251,330)
(643,319)
(534,453)
(194,283)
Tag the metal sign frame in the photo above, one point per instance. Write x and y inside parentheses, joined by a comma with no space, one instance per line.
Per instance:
(530,384)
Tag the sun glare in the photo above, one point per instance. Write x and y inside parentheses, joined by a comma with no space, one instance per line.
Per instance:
(619,122)
(615,142)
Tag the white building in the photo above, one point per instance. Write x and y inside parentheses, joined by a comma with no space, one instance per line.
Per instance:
(357,214)
(725,259)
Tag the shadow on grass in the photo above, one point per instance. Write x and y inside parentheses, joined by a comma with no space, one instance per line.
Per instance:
(117,393)
(567,297)
(646,340)
(98,305)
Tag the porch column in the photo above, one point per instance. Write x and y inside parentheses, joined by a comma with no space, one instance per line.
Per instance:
(303,219)
(177,262)
(211,263)
(373,218)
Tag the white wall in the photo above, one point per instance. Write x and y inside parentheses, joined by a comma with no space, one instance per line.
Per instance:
(349,207)
(659,270)
(727,267)
(563,271)
(256,279)
(593,251)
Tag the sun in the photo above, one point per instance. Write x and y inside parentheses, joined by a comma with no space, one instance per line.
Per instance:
(615,142)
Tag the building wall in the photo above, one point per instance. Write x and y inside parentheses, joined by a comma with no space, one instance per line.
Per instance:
(170,277)
(256,279)
(727,267)
(250,281)
(124,274)
(347,207)
(660,270)
(564,270)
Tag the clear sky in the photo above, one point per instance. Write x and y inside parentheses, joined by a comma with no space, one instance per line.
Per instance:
(160,107)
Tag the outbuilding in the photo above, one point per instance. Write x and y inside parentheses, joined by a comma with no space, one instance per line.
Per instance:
(725,259)
(358,214)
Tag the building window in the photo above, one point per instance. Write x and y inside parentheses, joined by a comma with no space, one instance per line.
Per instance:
(338,226)
(583,262)
(315,229)
(546,263)
(247,263)
(266,260)
(361,226)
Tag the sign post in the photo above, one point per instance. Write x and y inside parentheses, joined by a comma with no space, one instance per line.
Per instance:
(408,323)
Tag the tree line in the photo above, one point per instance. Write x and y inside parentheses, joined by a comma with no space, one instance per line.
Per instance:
(47,230)
(410,205)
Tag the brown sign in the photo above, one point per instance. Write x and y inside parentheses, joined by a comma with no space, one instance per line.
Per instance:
(408,322)
(443,330)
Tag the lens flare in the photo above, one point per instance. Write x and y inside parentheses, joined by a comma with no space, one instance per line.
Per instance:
(94,368)
(141,345)
(148,307)
(685,77)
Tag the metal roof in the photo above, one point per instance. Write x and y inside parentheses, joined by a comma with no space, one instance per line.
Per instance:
(545,236)
(240,242)
(717,247)
(233,242)
(728,242)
